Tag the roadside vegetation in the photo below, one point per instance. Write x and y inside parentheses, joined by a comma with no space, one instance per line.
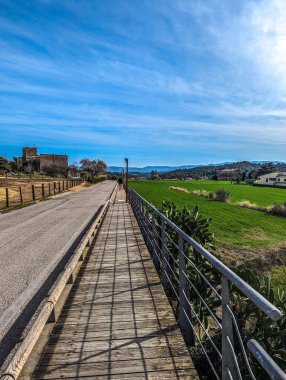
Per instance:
(252,322)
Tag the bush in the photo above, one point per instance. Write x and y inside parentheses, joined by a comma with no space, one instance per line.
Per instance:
(222,195)
(98,179)
(252,322)
(278,209)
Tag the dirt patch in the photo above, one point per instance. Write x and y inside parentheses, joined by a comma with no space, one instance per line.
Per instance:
(263,260)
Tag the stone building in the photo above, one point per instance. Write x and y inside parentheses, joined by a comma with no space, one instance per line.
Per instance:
(54,163)
(48,163)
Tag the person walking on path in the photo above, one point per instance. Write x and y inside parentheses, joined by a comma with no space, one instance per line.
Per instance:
(120,182)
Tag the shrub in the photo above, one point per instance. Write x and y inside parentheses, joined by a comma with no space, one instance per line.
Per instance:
(222,195)
(252,322)
(98,179)
(278,209)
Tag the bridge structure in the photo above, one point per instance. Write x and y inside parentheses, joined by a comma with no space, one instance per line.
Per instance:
(122,308)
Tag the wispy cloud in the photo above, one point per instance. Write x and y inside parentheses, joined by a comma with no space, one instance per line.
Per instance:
(182,81)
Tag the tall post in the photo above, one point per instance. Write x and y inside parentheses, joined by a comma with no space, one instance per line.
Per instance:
(155,242)
(165,258)
(49,189)
(126,179)
(59,184)
(43,190)
(228,361)
(7,197)
(55,185)
(185,316)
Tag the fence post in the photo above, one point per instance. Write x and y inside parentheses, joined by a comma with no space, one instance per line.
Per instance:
(49,189)
(228,362)
(165,258)
(21,194)
(55,186)
(63,185)
(147,228)
(7,198)
(33,193)
(185,315)
(155,243)
(59,184)
(43,190)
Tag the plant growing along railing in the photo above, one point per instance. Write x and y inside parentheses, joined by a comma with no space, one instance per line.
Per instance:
(218,310)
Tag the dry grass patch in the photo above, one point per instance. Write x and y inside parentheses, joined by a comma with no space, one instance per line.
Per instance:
(252,206)
(201,193)
(182,189)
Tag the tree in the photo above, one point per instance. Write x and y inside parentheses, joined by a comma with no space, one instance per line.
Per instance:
(16,164)
(154,174)
(269,167)
(4,163)
(94,167)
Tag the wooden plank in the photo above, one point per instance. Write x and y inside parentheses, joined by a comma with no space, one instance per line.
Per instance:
(117,322)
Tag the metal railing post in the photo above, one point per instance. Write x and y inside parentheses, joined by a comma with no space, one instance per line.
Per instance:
(165,258)
(185,315)
(155,242)
(228,360)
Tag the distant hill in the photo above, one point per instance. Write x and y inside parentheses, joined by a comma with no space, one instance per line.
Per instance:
(211,170)
(148,169)
(245,165)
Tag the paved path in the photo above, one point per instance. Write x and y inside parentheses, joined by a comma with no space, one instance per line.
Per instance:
(34,239)
(117,322)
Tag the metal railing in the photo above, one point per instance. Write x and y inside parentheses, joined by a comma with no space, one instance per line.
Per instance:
(184,279)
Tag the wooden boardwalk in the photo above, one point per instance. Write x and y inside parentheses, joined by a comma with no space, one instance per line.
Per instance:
(117,322)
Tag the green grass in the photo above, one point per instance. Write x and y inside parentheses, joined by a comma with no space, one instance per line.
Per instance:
(234,227)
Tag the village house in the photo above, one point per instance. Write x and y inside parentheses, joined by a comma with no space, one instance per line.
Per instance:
(272,179)
(229,175)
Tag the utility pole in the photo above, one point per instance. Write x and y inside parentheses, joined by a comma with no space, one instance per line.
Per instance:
(126,178)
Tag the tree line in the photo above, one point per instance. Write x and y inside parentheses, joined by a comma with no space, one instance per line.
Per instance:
(16,165)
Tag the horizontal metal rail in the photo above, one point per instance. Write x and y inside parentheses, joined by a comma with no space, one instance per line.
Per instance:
(171,250)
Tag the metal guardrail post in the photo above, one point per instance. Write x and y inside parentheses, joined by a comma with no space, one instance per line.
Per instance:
(228,360)
(185,315)
(165,257)
(155,243)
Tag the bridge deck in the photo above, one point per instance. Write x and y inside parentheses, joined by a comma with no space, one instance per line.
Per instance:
(117,322)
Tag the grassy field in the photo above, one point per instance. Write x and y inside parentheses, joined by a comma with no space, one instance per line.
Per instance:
(235,228)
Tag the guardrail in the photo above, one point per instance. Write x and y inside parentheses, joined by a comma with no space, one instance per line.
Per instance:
(172,250)
(48,310)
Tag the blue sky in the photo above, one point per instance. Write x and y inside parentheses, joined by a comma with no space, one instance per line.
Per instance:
(162,82)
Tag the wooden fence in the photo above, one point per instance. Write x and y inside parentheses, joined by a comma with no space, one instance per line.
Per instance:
(15,195)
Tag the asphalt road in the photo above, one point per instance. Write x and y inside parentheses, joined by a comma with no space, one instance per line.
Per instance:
(35,239)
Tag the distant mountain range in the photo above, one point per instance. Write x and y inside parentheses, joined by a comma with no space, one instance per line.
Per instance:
(163,169)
